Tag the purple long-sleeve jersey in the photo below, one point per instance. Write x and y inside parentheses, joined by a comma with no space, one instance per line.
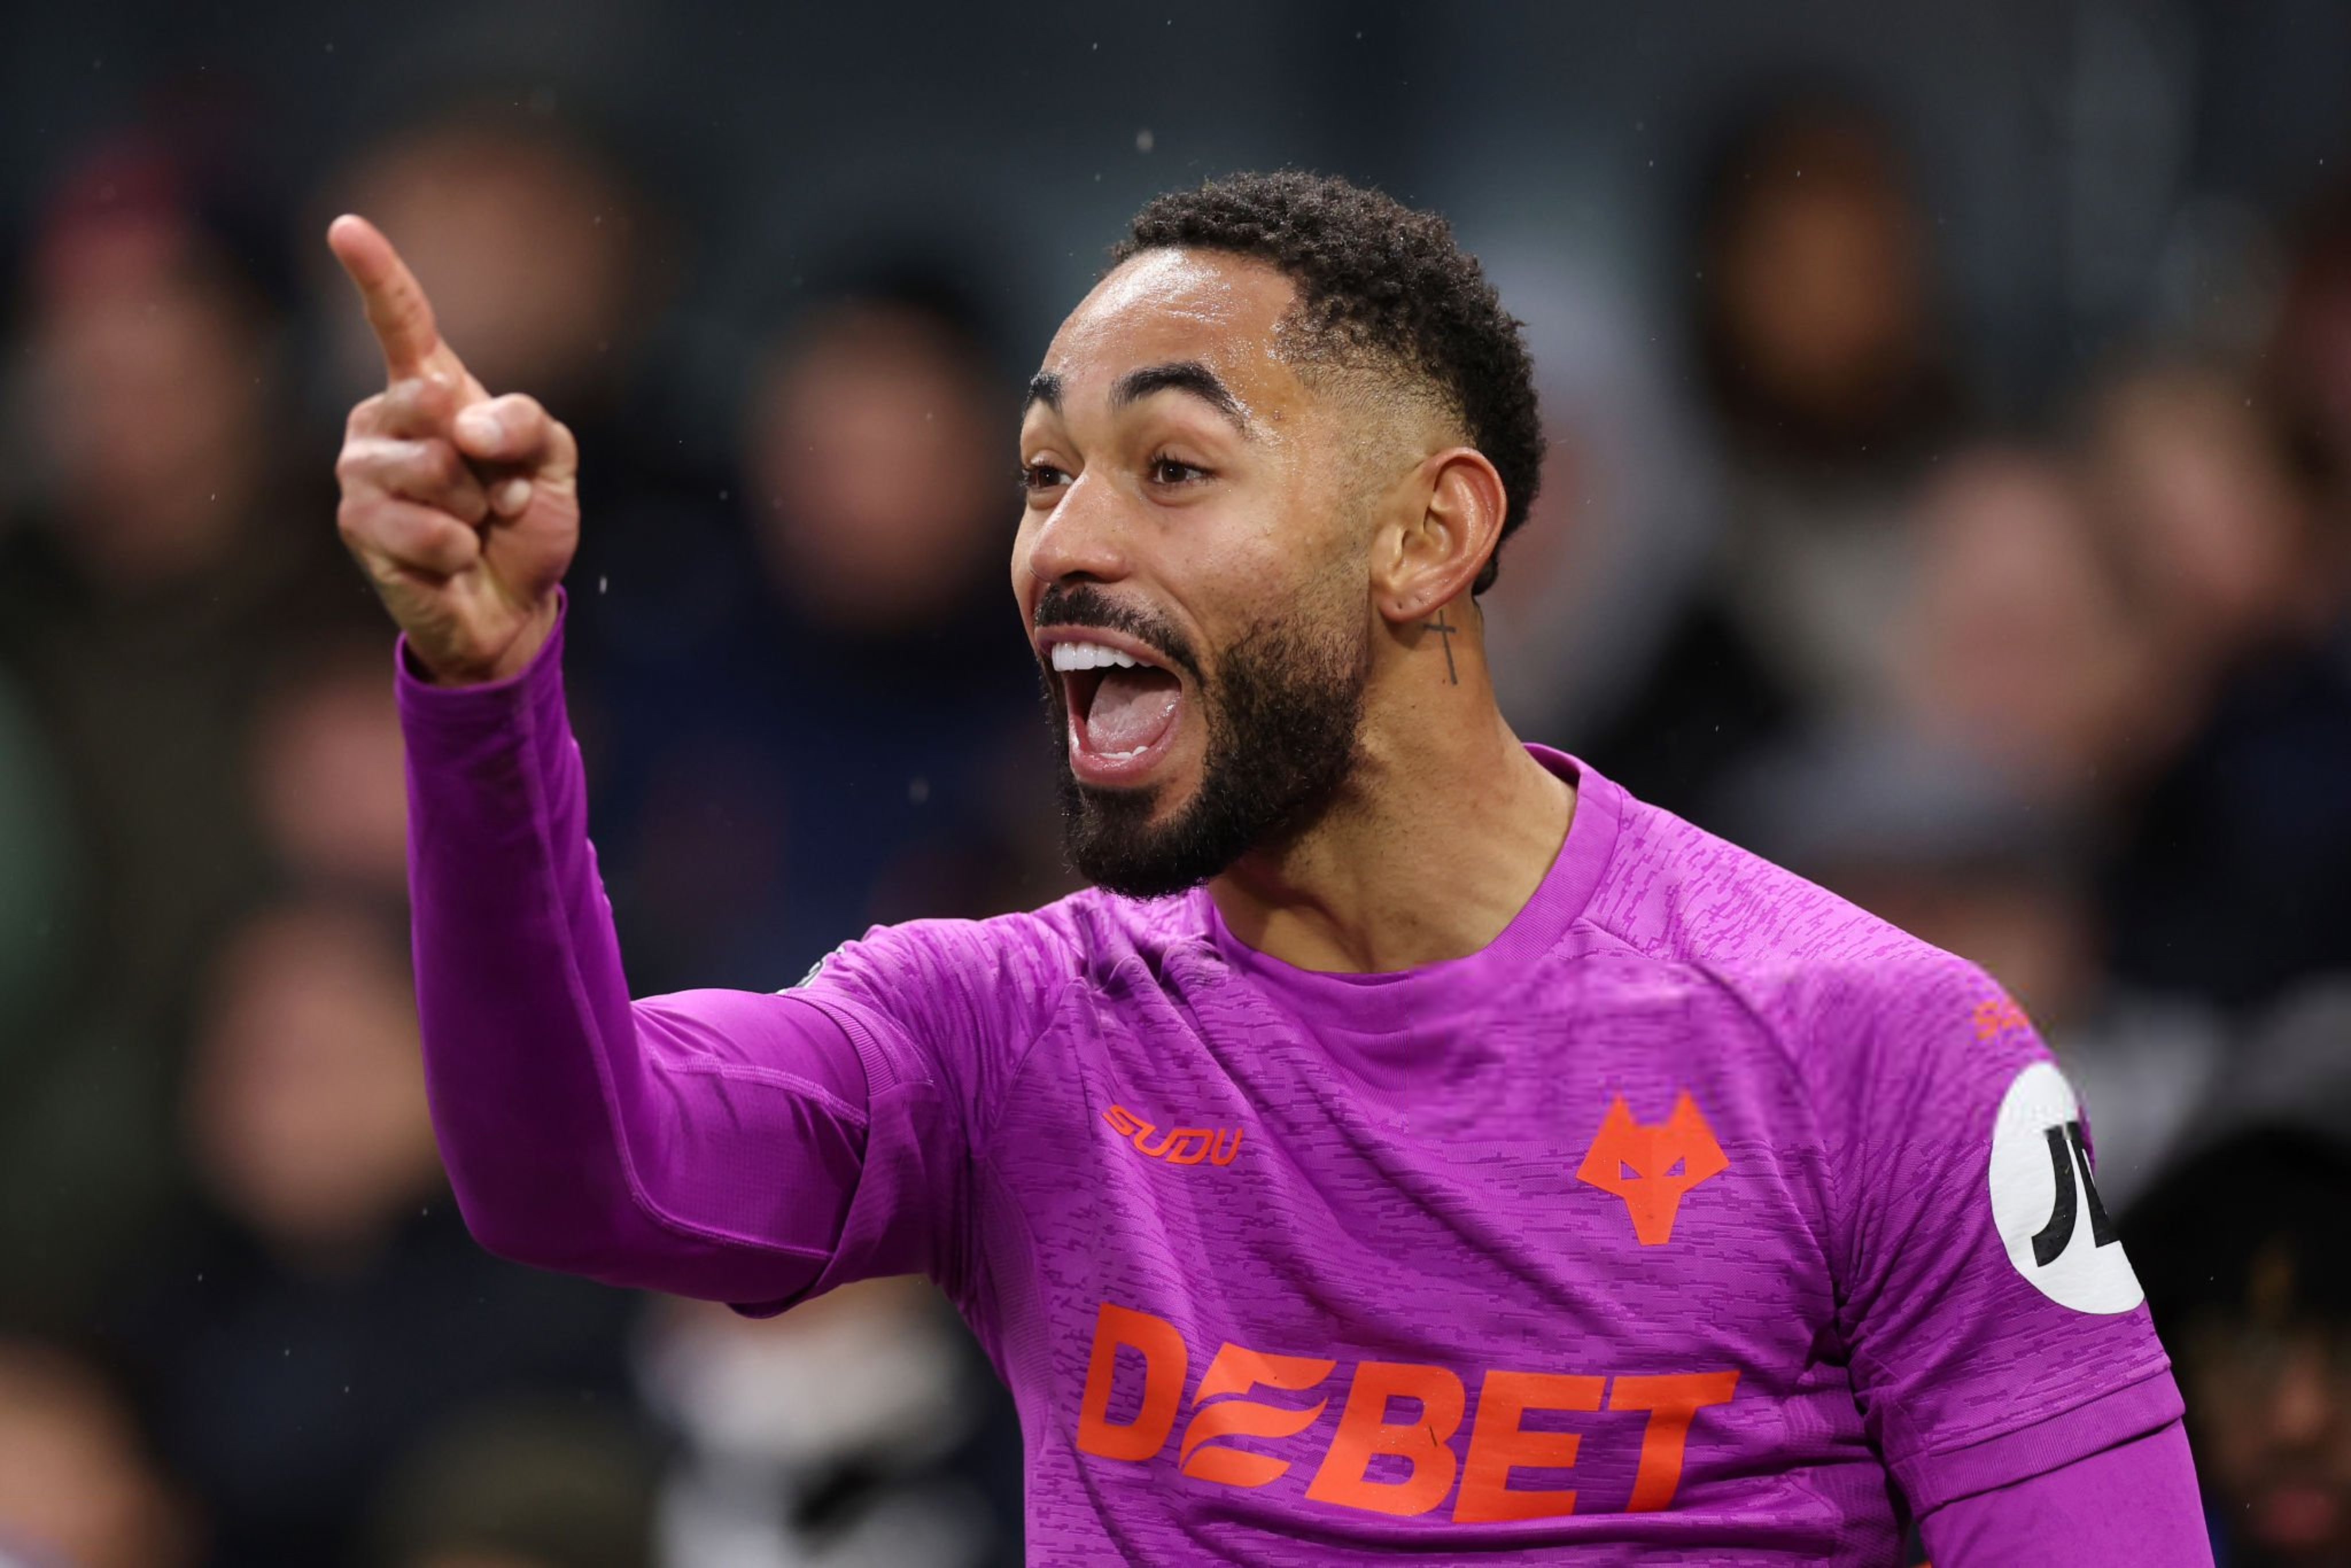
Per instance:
(1698,1217)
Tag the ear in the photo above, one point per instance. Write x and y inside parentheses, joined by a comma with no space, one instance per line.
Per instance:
(1428,557)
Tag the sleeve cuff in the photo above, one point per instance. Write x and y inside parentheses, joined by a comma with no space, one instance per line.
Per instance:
(1931,1480)
(427,710)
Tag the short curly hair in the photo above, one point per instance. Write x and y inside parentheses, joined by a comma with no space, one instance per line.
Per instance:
(1376,277)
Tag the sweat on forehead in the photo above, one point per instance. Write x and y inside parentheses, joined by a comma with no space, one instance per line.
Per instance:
(1171,308)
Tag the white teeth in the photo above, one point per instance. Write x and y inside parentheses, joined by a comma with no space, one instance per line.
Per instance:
(1091,656)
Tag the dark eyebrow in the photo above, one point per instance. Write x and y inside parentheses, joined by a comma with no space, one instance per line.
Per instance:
(1184,376)
(1181,375)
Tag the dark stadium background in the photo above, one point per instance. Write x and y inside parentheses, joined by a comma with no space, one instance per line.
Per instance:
(1949,405)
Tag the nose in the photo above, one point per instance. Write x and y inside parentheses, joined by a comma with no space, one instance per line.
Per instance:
(1082,539)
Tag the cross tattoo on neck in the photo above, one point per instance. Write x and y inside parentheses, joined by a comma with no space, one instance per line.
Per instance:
(1442,630)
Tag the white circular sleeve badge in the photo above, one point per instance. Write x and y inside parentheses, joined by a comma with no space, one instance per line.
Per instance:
(2056,1231)
(813,971)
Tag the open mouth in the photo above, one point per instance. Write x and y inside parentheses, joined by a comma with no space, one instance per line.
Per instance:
(1123,707)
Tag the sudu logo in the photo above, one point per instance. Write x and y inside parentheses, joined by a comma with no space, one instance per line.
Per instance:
(1651,1164)
(1177,1145)
(1372,1457)
(1995,1016)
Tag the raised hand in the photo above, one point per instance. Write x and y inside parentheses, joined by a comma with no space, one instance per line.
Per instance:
(463,508)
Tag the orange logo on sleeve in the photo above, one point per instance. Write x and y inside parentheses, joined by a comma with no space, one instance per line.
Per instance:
(1996,1015)
(1651,1164)
(1400,1411)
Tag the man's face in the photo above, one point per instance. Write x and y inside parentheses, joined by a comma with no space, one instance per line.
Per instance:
(2272,1408)
(1191,565)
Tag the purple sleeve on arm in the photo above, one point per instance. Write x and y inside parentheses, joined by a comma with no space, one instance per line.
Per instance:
(2131,1506)
(711,1143)
(1977,1362)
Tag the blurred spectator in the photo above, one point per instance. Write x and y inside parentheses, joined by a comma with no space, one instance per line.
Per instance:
(517,1485)
(875,439)
(2242,1252)
(2244,810)
(326,770)
(77,1485)
(853,738)
(327,1307)
(132,304)
(2306,368)
(2216,526)
(2016,644)
(855,1430)
(1818,323)
(536,249)
(137,590)
(166,548)
(1820,347)
(305,1107)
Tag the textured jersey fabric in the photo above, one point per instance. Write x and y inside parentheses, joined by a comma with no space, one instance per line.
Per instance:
(1686,1221)
(2133,1504)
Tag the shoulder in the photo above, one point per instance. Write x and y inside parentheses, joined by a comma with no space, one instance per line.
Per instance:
(1682,895)
(1027,955)
(1844,992)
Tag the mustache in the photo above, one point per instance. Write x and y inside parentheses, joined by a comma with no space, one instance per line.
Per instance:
(1082,604)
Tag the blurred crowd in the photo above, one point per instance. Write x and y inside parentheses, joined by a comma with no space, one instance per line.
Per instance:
(2068,694)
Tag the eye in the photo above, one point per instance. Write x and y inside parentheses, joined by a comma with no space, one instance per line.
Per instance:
(1037,478)
(1165,470)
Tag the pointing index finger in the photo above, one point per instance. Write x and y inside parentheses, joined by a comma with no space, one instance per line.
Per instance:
(395,302)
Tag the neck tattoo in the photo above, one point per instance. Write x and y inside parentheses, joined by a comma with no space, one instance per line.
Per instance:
(1442,630)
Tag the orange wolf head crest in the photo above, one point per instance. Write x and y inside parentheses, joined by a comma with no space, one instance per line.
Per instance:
(1651,1164)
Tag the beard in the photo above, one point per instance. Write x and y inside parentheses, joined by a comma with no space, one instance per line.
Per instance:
(1283,711)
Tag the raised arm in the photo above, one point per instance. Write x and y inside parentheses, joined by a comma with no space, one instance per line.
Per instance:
(710,1144)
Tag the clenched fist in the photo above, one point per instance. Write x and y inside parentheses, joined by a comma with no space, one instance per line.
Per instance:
(463,508)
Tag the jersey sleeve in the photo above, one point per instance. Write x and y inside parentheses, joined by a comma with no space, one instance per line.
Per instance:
(1994,1327)
(2133,1505)
(738,1147)
(941,1014)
